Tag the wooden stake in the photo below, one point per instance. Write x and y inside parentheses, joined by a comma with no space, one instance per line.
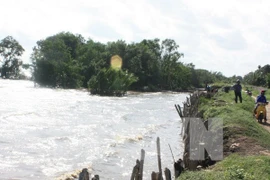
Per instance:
(135,172)
(141,164)
(172,153)
(156,176)
(167,174)
(84,175)
(158,156)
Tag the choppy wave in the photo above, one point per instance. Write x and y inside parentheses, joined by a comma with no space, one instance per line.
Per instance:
(47,133)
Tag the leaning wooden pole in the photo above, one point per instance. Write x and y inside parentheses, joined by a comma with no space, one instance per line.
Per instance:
(181,115)
(179,111)
(159,157)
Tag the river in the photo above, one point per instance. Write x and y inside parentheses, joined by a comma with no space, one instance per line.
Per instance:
(45,133)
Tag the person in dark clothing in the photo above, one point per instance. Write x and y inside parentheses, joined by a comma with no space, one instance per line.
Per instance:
(238,91)
(208,88)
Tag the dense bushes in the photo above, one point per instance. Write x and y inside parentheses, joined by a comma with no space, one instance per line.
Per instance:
(111,82)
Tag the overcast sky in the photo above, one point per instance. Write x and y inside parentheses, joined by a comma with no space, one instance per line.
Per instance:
(227,36)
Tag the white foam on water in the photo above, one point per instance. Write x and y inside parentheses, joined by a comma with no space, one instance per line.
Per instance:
(46,133)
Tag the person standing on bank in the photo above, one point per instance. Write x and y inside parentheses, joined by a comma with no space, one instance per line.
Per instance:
(238,91)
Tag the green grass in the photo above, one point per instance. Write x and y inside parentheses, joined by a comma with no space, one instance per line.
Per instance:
(257,90)
(234,167)
(235,116)
(238,121)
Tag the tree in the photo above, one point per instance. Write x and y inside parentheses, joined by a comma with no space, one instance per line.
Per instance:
(92,59)
(10,50)
(260,77)
(268,80)
(169,62)
(55,61)
(143,59)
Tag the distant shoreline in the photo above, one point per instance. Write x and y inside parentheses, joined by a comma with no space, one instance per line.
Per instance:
(129,92)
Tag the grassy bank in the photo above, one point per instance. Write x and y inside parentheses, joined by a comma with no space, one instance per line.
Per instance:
(234,167)
(247,161)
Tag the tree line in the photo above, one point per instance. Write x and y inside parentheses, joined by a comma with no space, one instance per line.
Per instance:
(70,61)
(260,77)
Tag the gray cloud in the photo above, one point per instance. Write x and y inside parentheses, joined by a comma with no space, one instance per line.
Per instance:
(230,41)
(221,22)
(103,31)
(264,36)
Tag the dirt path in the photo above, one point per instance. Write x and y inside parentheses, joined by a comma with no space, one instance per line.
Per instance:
(267,125)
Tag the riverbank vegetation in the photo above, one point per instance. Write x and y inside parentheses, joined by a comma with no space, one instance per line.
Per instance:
(245,140)
(112,82)
(234,167)
(67,60)
(70,61)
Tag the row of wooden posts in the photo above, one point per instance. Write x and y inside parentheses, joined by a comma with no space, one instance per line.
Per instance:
(137,173)
(190,109)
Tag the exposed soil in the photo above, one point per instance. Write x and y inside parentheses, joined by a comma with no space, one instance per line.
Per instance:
(246,145)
